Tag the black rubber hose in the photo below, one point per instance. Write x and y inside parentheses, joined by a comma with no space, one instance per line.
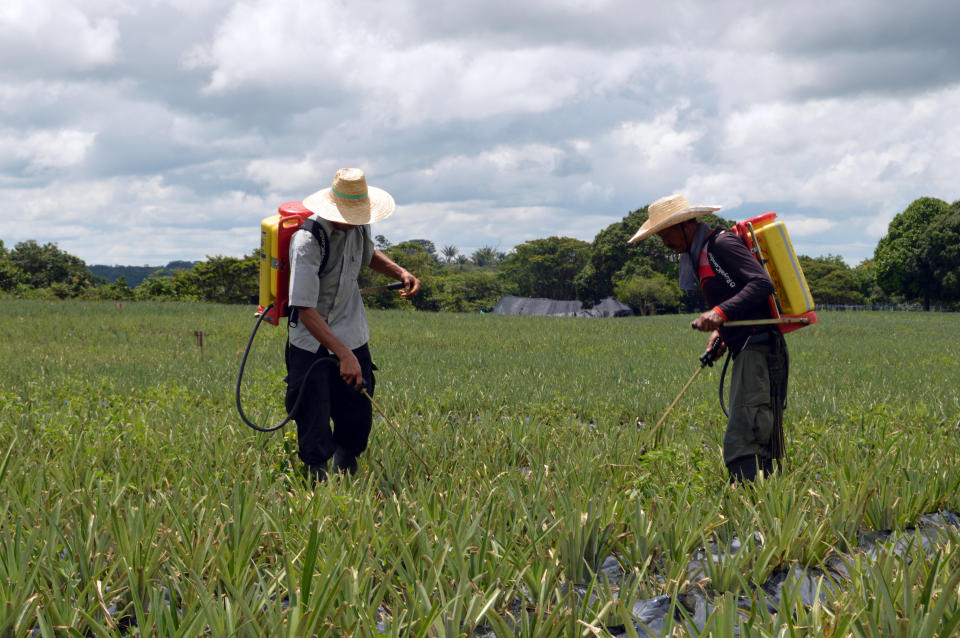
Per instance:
(723,374)
(303,385)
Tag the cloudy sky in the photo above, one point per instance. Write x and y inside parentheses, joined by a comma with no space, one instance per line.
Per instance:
(141,131)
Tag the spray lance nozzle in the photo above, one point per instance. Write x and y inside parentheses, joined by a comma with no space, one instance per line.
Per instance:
(397,285)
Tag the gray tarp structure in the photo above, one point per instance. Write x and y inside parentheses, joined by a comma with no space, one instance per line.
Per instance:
(511,305)
(608,307)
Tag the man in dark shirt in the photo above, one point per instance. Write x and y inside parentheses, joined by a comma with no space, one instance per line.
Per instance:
(737,287)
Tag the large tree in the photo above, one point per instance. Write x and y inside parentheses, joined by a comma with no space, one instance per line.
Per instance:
(545,267)
(940,245)
(221,279)
(912,259)
(449,253)
(831,281)
(470,291)
(43,266)
(647,291)
(415,257)
(9,274)
(486,256)
(427,245)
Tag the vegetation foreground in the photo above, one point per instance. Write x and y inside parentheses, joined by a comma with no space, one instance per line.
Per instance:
(132,498)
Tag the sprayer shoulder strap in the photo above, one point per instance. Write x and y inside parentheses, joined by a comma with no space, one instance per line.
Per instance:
(712,239)
(708,246)
(720,258)
(313,227)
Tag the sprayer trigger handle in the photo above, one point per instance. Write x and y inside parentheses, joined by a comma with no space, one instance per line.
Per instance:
(708,357)
(364,386)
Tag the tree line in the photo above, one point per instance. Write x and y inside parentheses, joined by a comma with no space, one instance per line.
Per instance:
(918,261)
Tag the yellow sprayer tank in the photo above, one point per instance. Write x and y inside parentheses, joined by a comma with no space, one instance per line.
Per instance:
(268,256)
(275,234)
(792,292)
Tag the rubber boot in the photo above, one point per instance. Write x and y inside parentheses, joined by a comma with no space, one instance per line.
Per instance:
(745,468)
(316,474)
(344,462)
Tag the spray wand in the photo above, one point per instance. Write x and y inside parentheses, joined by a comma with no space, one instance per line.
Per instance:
(761,322)
(706,359)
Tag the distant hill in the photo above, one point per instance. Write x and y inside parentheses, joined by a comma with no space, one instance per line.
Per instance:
(136,274)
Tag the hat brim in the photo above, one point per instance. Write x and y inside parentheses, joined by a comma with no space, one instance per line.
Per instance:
(648,229)
(376,206)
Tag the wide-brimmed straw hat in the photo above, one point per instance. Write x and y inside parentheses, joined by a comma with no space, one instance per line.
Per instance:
(669,211)
(350,200)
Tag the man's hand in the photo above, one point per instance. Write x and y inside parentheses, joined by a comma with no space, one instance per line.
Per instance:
(411,285)
(708,321)
(386,266)
(350,370)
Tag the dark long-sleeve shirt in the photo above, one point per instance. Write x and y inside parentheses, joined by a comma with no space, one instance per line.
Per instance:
(733,281)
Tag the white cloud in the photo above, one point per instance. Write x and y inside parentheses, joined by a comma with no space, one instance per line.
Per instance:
(873,154)
(296,46)
(523,120)
(662,142)
(48,149)
(204,133)
(17,97)
(588,192)
(512,173)
(125,245)
(286,175)
(56,33)
(270,44)
(132,220)
(802,226)
(470,224)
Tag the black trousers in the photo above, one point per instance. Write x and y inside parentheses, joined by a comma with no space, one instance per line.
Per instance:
(327,397)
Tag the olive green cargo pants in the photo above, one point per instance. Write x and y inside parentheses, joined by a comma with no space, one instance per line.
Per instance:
(758,393)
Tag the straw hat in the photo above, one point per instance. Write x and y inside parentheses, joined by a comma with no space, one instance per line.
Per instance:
(669,211)
(350,200)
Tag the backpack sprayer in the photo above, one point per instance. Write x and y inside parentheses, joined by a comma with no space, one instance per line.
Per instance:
(276,232)
(791,304)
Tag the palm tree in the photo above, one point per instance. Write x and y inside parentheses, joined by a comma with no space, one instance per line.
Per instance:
(485,256)
(449,253)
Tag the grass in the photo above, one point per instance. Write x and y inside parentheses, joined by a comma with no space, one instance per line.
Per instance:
(132,495)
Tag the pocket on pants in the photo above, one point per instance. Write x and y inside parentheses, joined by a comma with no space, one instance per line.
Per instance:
(761,417)
(750,425)
(757,407)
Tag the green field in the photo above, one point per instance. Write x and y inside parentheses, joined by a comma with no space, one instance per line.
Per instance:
(131,495)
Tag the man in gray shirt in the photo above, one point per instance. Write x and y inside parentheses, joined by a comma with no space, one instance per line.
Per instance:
(328,319)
